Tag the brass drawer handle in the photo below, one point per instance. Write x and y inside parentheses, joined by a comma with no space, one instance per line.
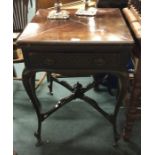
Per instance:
(99,61)
(49,61)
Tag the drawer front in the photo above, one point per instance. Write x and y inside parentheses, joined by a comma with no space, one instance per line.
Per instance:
(74,61)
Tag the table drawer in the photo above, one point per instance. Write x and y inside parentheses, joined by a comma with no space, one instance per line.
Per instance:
(75,61)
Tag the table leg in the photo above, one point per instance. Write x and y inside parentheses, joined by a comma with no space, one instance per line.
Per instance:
(77,92)
(28,79)
(123,80)
(123,83)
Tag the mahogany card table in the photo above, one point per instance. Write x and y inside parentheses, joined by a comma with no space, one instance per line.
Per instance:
(78,46)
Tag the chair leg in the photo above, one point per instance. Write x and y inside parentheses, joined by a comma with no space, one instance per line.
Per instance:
(48,76)
(14,72)
(39,82)
(50,86)
(14,152)
(135,101)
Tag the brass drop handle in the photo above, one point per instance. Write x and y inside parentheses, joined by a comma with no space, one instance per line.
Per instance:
(49,61)
(99,61)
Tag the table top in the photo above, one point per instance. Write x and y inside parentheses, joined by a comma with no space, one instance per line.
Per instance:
(107,26)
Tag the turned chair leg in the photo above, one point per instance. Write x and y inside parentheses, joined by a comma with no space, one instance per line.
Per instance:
(50,82)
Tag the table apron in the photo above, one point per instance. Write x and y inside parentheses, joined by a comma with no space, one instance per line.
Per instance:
(58,58)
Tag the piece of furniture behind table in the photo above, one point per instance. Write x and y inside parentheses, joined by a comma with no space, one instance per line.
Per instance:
(111,3)
(20,14)
(44,4)
(79,46)
(133,16)
(105,79)
(20,20)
